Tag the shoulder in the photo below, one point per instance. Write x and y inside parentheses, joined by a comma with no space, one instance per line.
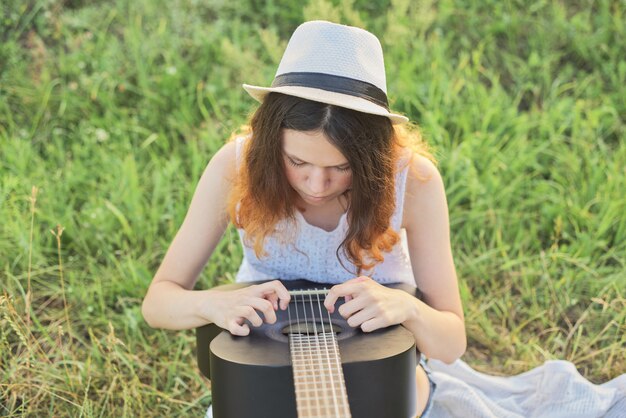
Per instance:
(423,177)
(424,192)
(226,156)
(223,162)
(218,176)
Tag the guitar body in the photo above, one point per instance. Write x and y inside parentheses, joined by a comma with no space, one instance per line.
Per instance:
(252,376)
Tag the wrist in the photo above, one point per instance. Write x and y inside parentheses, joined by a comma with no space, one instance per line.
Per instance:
(205,305)
(413,315)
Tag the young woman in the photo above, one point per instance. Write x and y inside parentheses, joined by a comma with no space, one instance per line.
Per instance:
(327,186)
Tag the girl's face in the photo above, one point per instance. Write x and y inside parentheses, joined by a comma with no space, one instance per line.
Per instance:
(315,168)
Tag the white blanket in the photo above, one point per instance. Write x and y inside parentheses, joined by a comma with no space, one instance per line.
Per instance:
(553,390)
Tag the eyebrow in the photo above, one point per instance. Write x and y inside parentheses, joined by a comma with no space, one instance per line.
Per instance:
(293,157)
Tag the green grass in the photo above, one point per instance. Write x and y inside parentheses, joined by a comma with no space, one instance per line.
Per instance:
(113,109)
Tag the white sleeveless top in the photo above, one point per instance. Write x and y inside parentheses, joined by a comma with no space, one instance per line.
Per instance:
(311,252)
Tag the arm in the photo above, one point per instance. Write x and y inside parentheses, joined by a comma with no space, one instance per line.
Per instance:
(170,302)
(438,322)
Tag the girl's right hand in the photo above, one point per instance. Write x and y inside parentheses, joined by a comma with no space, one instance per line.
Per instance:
(230,309)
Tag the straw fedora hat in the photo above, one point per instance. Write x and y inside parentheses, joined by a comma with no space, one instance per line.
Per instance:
(335,64)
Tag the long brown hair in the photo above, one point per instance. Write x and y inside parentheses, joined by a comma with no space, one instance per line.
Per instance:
(262,196)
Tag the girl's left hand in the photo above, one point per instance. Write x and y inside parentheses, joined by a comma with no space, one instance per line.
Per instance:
(370,305)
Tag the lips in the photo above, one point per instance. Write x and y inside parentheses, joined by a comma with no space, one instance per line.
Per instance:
(315,197)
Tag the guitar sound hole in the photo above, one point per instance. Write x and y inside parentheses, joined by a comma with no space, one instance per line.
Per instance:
(310,328)
(281,330)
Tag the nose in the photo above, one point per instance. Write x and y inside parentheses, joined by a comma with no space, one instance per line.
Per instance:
(318,180)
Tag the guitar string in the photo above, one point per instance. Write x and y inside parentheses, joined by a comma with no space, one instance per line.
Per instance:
(312,352)
(332,379)
(344,393)
(342,385)
(301,405)
(291,343)
(313,345)
(307,354)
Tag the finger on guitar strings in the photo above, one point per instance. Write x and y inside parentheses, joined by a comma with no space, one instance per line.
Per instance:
(273,298)
(352,306)
(275,291)
(249,313)
(348,290)
(265,307)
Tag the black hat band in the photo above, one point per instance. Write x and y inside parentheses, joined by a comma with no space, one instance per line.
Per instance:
(334,83)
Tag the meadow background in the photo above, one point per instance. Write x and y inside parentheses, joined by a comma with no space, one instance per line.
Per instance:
(110,110)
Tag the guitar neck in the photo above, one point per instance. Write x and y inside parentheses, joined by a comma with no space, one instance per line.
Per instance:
(318,376)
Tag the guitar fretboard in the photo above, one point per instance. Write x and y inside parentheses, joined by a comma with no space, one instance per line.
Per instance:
(318,376)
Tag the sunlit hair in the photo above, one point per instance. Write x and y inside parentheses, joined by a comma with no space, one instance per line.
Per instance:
(262,196)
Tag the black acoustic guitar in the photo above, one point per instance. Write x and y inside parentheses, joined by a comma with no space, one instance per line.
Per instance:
(310,363)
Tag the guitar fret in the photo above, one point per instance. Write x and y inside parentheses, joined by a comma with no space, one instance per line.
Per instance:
(316,393)
(317,373)
(308,406)
(303,361)
(312,387)
(335,374)
(313,383)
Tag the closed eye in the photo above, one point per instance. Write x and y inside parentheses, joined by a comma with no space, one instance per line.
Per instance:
(295,164)
(300,164)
